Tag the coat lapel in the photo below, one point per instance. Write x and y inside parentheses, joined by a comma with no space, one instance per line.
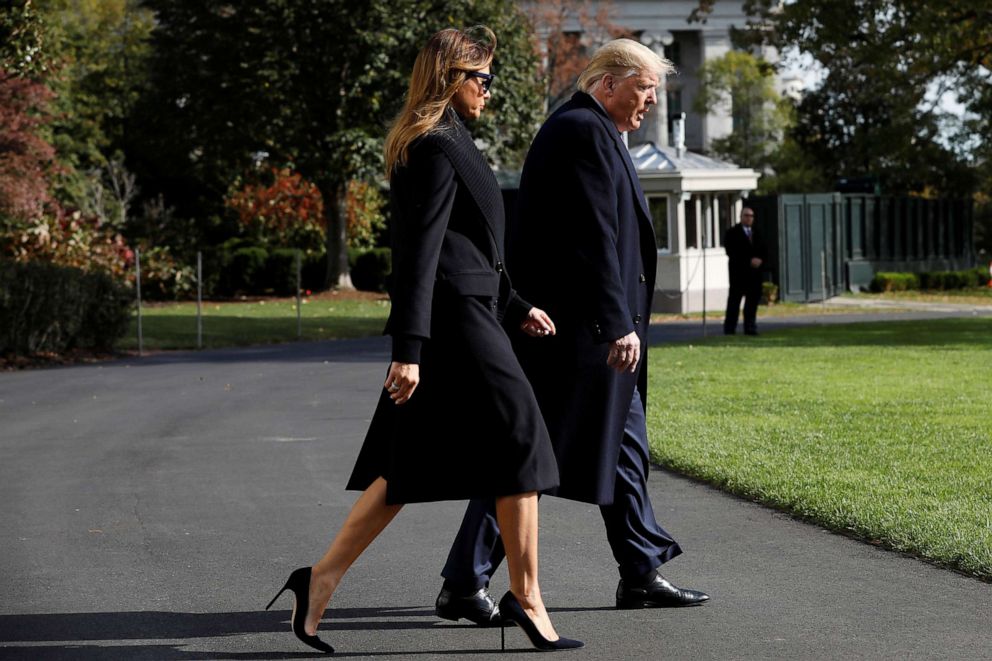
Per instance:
(474,171)
(611,129)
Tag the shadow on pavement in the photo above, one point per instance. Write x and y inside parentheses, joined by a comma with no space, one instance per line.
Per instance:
(72,629)
(168,625)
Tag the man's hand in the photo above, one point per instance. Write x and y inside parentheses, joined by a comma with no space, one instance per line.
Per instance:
(401,381)
(625,353)
(538,323)
(755,262)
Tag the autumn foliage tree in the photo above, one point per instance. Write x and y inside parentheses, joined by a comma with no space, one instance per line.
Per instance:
(566,33)
(27,159)
(284,212)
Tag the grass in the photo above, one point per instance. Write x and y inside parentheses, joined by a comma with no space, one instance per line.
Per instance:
(225,324)
(764,312)
(881,431)
(973,296)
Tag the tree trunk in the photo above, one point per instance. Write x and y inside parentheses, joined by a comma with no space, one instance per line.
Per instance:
(335,215)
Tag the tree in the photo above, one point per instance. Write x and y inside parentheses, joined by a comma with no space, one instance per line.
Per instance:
(887,63)
(564,32)
(22,37)
(99,51)
(744,85)
(311,85)
(27,160)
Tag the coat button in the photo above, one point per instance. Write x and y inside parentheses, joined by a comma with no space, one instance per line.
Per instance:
(637,318)
(643,278)
(499,267)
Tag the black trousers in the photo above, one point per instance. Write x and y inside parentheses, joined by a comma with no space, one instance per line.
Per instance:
(746,286)
(638,542)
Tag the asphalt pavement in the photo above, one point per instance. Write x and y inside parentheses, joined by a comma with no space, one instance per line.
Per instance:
(152,506)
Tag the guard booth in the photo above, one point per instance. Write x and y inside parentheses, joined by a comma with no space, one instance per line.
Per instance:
(821,245)
(693,200)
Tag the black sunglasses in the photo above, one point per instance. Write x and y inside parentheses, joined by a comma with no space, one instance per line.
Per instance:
(486,78)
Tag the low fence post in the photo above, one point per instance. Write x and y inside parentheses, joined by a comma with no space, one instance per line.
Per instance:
(299,302)
(199,299)
(823,277)
(137,282)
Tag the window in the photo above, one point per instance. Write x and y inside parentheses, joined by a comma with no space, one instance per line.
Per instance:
(658,205)
(674,53)
(691,224)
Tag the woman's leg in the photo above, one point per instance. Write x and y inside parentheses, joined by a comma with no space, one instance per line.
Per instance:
(517,518)
(368,517)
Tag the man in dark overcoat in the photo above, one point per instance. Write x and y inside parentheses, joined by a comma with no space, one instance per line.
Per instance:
(746,255)
(582,248)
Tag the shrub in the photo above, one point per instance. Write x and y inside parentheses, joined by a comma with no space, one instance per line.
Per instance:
(370,270)
(46,307)
(282,209)
(936,280)
(769,293)
(280,271)
(240,267)
(163,278)
(364,205)
(943,280)
(894,281)
(70,240)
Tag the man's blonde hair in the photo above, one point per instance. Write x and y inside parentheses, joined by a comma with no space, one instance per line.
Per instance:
(622,58)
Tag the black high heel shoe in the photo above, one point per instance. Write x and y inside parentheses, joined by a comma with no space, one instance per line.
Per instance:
(513,613)
(299,583)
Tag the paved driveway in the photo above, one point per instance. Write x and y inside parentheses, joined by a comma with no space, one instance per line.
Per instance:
(151,507)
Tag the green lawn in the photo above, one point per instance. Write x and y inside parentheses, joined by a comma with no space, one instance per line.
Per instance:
(714,312)
(973,296)
(883,431)
(173,325)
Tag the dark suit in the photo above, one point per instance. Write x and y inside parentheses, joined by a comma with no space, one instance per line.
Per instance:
(582,248)
(474,405)
(745,280)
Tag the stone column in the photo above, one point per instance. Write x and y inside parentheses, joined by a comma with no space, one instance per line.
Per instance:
(654,128)
(719,122)
(676,222)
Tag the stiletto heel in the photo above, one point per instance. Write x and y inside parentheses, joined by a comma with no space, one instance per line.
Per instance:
(512,612)
(299,584)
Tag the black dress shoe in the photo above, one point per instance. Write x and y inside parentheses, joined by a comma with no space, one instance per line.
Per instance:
(658,593)
(751,331)
(477,607)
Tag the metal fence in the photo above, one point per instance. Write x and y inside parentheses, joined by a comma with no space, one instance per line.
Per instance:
(199,298)
(823,244)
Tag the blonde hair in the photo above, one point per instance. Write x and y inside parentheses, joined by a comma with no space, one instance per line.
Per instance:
(441,68)
(622,58)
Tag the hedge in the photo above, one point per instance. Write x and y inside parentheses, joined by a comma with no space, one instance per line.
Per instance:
(940,280)
(891,281)
(370,270)
(239,266)
(49,308)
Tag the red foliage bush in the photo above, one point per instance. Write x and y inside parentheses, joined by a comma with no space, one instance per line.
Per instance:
(27,160)
(286,213)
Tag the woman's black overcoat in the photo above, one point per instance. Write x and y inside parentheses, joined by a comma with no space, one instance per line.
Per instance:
(472,429)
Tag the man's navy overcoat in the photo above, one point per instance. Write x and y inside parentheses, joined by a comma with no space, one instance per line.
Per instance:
(582,247)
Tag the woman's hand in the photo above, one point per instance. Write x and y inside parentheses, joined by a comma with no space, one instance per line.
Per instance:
(401,381)
(538,323)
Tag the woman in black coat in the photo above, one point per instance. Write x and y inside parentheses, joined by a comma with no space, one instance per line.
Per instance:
(457,418)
